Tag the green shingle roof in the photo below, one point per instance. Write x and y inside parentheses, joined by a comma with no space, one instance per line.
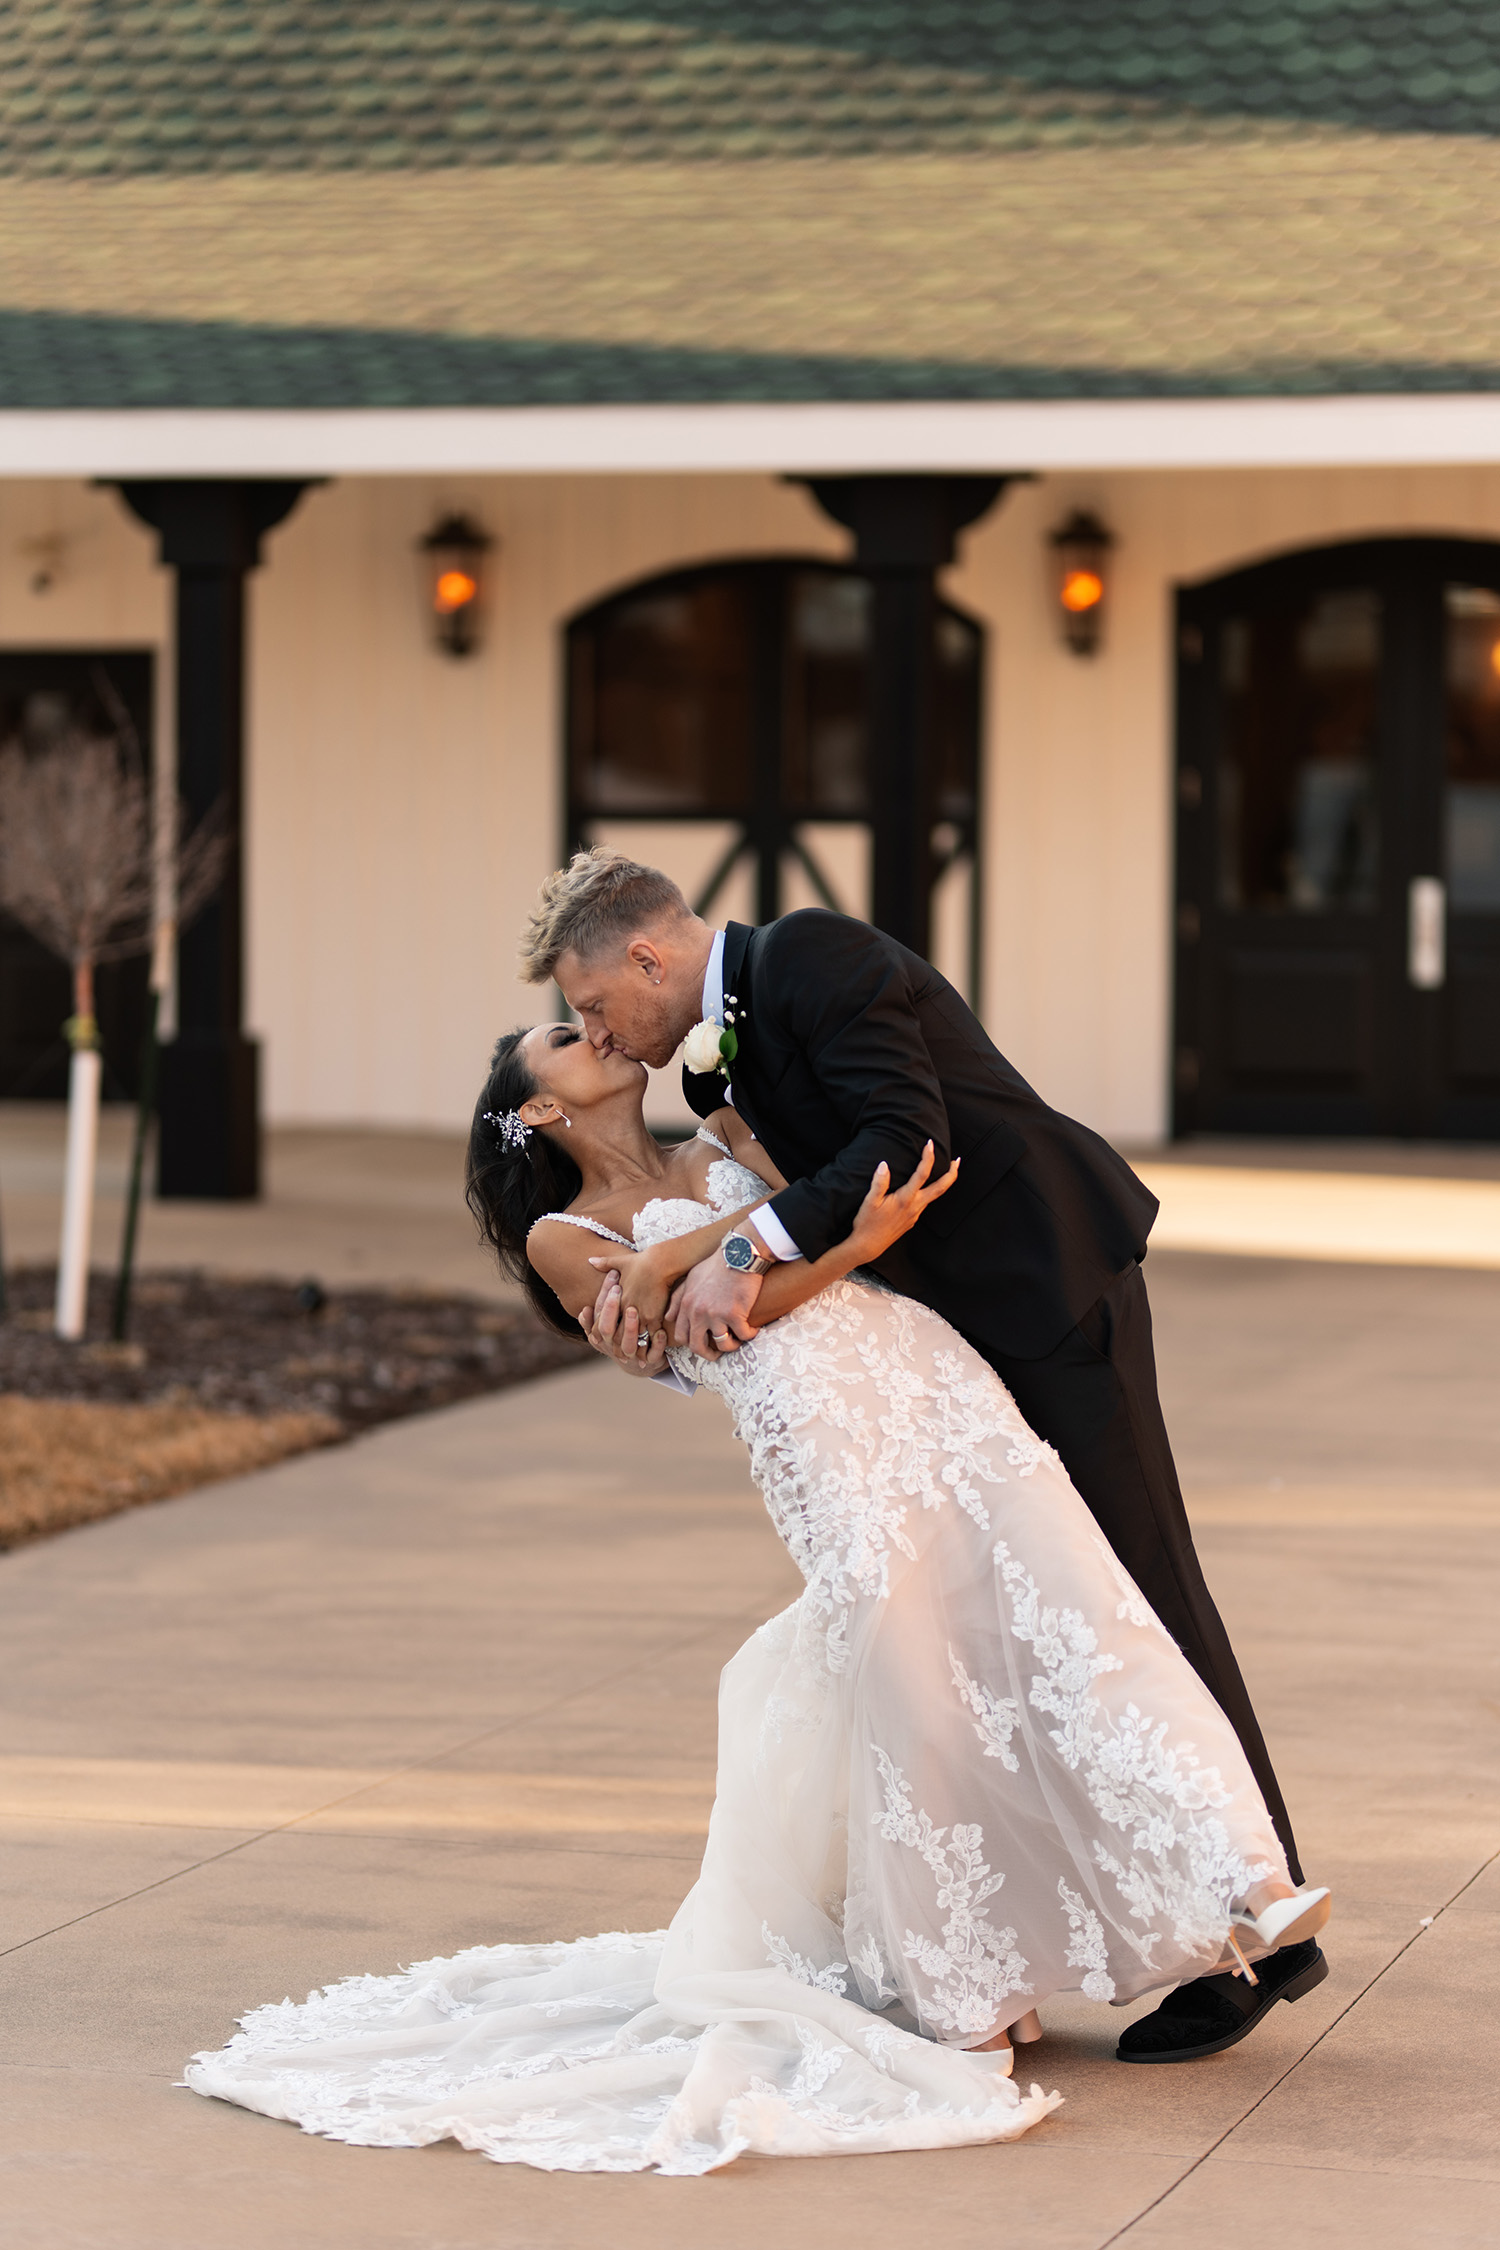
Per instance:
(60,360)
(106,86)
(254,203)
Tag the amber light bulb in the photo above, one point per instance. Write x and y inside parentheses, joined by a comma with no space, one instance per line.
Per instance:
(1495,656)
(454,589)
(1082,589)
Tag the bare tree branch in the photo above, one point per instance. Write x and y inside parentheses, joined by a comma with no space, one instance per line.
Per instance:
(78,858)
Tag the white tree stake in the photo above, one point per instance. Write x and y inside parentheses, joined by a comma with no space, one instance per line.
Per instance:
(78,1193)
(83,868)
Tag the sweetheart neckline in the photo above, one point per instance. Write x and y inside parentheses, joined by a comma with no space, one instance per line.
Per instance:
(655,1203)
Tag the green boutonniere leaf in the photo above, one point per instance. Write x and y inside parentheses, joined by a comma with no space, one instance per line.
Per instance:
(729,1046)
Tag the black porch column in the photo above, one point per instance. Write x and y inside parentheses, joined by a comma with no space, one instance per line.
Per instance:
(905,529)
(211,531)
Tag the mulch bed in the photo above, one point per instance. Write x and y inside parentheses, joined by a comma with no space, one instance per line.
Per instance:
(220,1375)
(259,1347)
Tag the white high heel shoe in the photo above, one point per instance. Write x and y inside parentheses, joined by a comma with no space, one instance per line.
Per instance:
(1286,1921)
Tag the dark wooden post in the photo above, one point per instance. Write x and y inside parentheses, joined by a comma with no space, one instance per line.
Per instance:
(209,1143)
(905,529)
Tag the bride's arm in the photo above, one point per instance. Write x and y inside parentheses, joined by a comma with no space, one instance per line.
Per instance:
(647,1279)
(570,1260)
(884,1216)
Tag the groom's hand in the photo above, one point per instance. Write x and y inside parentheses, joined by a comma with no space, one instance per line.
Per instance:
(713,1308)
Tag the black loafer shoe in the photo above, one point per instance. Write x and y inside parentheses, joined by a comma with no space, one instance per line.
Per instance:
(1205,2017)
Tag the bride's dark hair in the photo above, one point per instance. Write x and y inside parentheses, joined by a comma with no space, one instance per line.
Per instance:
(510,1184)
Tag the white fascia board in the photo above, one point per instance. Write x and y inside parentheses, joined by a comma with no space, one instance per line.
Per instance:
(1068,434)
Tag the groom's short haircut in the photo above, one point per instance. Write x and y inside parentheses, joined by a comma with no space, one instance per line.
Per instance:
(598,900)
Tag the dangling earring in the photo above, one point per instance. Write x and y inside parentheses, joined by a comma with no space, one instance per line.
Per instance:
(567,1121)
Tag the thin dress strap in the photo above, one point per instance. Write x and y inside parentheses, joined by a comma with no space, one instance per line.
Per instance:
(713,1140)
(576,1219)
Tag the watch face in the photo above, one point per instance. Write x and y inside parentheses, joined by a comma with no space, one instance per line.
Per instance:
(739,1252)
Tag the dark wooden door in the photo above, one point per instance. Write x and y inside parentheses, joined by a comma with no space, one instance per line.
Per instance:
(1338,899)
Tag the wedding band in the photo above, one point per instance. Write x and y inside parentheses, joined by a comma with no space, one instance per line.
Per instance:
(719,1336)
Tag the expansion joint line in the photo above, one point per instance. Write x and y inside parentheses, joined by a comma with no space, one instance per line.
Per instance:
(397,1773)
(1278,2082)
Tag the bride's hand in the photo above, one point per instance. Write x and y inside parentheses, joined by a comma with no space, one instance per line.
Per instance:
(886,1213)
(642,1286)
(615,1330)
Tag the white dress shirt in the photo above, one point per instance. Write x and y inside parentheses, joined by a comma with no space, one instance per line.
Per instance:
(772,1233)
(764,1220)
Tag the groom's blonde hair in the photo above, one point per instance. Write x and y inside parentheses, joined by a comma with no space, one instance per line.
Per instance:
(599,899)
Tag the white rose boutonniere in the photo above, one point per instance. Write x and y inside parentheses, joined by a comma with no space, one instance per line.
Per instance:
(710,1046)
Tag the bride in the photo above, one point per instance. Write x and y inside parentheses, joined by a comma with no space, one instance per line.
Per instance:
(965,1770)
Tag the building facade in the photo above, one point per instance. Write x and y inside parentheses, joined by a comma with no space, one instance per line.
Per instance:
(1238,868)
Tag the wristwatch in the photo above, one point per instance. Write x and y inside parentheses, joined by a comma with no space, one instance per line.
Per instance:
(741,1255)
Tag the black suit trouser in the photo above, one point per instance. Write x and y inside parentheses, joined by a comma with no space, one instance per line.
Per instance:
(1094,1398)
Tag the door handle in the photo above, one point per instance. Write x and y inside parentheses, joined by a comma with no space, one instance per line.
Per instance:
(1427,933)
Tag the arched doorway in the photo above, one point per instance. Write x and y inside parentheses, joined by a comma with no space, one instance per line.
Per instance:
(718,724)
(1338,855)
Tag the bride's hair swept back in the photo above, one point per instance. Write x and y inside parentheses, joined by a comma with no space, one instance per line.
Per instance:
(509,1187)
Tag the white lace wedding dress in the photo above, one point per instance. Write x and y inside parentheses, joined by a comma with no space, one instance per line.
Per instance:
(966,1769)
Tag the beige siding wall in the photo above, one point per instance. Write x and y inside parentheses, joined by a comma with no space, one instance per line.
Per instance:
(105,590)
(402,806)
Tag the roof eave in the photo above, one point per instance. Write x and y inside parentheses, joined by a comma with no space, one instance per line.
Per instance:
(826,437)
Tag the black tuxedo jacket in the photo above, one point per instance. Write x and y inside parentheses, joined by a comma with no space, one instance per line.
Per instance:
(852,1049)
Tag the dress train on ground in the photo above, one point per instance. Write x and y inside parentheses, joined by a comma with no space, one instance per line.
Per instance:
(966,1769)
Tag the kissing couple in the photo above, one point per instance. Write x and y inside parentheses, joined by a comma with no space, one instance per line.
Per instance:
(999,1747)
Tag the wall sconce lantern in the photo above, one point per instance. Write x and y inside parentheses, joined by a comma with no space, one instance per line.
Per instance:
(454,552)
(1081,548)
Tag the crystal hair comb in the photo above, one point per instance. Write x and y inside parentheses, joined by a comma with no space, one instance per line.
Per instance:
(509,1126)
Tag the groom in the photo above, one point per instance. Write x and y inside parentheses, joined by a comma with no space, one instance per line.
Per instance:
(848,1049)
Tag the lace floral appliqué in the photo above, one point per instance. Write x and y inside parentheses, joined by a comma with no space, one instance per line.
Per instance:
(976,1966)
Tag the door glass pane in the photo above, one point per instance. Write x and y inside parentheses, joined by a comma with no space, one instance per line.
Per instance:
(1298,829)
(660,701)
(1471,791)
(960,654)
(825,746)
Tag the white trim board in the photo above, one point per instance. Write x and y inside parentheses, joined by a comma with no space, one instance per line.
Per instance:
(656,440)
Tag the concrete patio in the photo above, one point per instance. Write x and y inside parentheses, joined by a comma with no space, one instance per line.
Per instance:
(455,1682)
(356,1208)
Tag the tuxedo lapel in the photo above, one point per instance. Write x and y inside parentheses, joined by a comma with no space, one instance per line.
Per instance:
(761,1061)
(738,937)
(705,1090)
